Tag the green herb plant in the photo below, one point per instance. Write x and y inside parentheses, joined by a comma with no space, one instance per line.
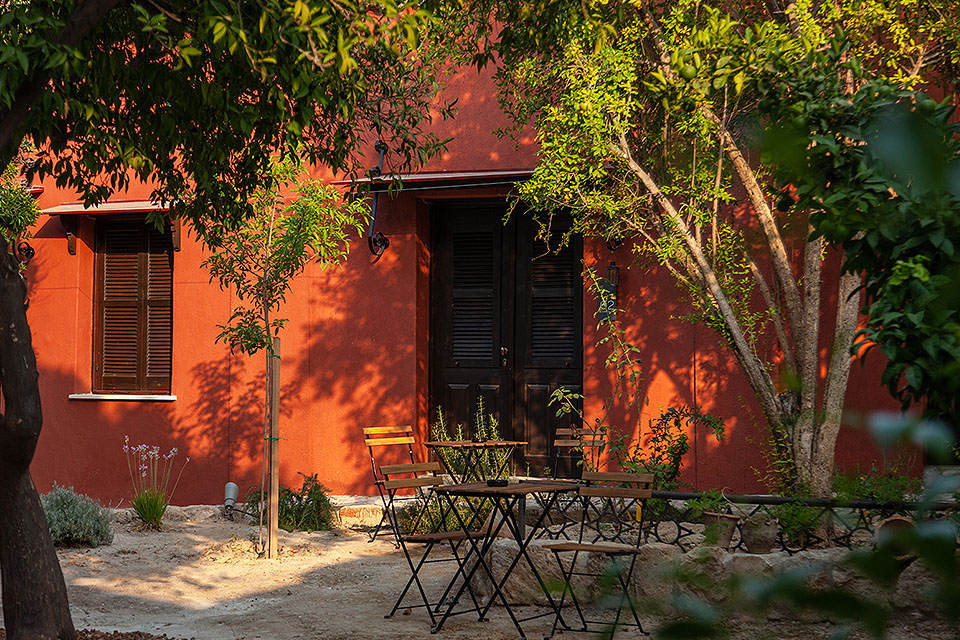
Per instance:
(305,509)
(75,520)
(491,463)
(150,473)
(711,501)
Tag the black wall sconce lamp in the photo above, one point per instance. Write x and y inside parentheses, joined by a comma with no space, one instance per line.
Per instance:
(607,310)
(25,252)
(377,242)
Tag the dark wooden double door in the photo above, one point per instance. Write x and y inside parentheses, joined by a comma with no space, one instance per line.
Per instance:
(506,324)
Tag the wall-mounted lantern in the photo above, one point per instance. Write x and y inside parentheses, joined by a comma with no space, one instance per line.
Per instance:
(25,252)
(607,310)
(377,242)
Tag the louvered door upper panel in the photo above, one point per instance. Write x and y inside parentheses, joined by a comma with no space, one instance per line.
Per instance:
(474,313)
(555,304)
(554,269)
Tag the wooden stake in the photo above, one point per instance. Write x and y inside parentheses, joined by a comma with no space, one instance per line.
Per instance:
(273,454)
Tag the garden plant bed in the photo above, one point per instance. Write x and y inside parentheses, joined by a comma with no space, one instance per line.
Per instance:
(200,578)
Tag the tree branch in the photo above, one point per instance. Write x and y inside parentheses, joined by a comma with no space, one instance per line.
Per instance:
(768,224)
(777,319)
(757,375)
(86,15)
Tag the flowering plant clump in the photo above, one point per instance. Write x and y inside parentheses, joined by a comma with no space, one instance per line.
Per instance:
(150,474)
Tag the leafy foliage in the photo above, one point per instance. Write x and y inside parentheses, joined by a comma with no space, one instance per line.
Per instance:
(259,259)
(711,500)
(660,451)
(197,96)
(75,520)
(882,176)
(18,209)
(880,484)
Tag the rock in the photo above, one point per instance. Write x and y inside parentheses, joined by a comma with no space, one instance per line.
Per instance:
(748,564)
(914,588)
(707,562)
(655,563)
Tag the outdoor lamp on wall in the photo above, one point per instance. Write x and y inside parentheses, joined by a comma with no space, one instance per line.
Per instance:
(25,252)
(608,293)
(613,274)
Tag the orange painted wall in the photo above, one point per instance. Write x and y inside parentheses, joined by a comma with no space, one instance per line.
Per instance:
(354,353)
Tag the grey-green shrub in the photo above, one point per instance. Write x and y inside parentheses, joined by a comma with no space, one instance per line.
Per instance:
(75,520)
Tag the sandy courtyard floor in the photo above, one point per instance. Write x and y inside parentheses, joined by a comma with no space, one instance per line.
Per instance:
(201,579)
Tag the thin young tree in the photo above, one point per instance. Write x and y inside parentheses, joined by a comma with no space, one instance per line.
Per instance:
(258,260)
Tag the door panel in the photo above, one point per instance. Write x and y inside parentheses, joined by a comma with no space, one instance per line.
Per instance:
(505,323)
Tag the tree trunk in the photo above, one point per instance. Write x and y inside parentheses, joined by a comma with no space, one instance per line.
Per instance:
(34,594)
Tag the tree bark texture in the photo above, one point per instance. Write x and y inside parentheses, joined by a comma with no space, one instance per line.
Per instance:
(34,594)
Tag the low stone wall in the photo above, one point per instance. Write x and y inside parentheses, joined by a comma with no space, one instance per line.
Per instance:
(657,563)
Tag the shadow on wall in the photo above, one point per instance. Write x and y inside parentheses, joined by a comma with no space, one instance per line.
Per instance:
(360,361)
(682,363)
(81,445)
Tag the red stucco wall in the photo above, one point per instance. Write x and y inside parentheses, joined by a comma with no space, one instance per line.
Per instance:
(354,354)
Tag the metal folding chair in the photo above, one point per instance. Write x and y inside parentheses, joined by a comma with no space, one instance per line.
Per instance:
(611,524)
(564,518)
(395,443)
(429,519)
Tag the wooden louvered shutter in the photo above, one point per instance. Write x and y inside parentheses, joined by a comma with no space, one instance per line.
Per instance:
(159,311)
(554,299)
(476,316)
(133,336)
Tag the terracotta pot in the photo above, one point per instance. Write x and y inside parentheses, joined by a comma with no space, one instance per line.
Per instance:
(723,524)
(759,534)
(888,535)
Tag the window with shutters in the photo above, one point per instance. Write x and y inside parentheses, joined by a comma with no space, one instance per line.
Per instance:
(133,336)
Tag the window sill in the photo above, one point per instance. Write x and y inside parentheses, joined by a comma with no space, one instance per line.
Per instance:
(123,397)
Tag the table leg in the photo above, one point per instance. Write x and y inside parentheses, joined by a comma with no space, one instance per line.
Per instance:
(523,543)
(480,552)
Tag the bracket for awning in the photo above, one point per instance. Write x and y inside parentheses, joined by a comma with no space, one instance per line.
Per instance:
(69,216)
(70,224)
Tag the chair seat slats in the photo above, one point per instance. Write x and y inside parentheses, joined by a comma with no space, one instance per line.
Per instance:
(371,431)
(609,476)
(615,492)
(417,467)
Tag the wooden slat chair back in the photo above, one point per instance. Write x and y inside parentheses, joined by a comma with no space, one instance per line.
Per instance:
(611,524)
(423,525)
(566,439)
(394,443)
(612,506)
